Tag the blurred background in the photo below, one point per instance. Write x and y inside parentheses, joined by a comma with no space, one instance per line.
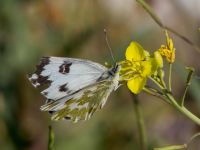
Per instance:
(30,29)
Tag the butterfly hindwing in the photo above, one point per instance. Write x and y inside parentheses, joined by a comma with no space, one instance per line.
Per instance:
(81,105)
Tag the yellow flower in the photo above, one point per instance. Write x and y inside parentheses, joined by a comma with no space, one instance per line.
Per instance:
(137,67)
(158,59)
(168,50)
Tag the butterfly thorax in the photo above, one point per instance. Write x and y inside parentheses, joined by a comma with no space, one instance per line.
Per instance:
(109,74)
(114,70)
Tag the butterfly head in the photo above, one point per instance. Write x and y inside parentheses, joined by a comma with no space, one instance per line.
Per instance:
(114,70)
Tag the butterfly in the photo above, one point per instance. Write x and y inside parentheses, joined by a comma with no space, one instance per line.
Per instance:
(74,88)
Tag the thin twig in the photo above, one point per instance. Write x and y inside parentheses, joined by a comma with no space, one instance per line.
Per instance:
(184,94)
(188,82)
(159,22)
(193,137)
(172,147)
(183,146)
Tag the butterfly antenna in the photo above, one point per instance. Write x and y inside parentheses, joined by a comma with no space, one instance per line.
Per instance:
(107,42)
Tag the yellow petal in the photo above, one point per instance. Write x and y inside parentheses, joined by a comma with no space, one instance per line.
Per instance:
(147,68)
(135,52)
(146,53)
(169,41)
(170,44)
(136,84)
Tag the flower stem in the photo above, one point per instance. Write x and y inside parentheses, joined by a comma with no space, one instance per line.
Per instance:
(140,123)
(170,78)
(51,139)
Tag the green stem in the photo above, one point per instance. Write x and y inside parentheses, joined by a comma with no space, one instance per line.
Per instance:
(184,94)
(163,83)
(149,91)
(174,103)
(170,78)
(157,94)
(183,110)
(140,123)
(150,11)
(156,82)
(51,139)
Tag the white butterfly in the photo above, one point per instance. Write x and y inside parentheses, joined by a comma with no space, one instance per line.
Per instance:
(74,88)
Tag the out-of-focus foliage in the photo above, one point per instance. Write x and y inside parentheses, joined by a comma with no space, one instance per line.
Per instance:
(71,28)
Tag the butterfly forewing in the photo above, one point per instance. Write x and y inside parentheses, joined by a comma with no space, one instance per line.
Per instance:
(64,76)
